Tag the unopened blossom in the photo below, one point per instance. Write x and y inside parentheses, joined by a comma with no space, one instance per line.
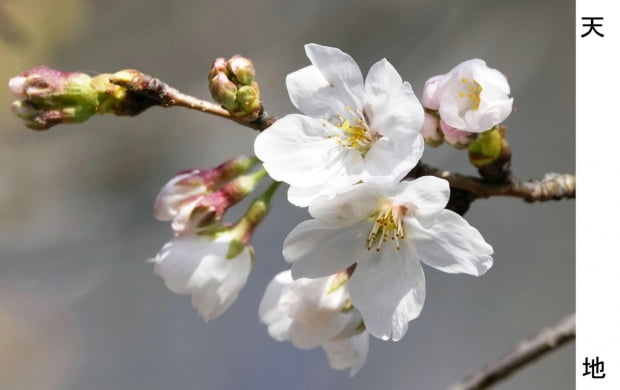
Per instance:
(316,312)
(386,231)
(197,182)
(430,130)
(193,206)
(232,84)
(471,97)
(352,130)
(460,139)
(48,97)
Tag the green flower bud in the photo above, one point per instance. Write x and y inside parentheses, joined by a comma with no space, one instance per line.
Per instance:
(487,147)
(232,85)
(249,98)
(48,97)
(492,155)
(242,69)
(224,91)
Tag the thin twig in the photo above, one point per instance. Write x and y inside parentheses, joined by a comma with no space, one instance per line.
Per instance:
(526,352)
(552,187)
(146,91)
(150,91)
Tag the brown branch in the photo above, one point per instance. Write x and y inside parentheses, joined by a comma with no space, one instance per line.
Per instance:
(148,91)
(526,352)
(552,187)
(144,91)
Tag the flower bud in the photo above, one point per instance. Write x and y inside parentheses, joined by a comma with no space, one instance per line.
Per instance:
(430,98)
(197,182)
(248,98)
(232,85)
(202,211)
(492,155)
(48,97)
(213,264)
(460,139)
(430,130)
(242,69)
(219,66)
(486,148)
(224,91)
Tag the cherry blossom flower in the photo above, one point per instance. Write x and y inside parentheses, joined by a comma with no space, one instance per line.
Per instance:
(203,267)
(352,130)
(213,264)
(386,231)
(471,97)
(316,312)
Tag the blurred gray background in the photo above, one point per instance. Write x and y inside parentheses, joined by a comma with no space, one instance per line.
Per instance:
(81,309)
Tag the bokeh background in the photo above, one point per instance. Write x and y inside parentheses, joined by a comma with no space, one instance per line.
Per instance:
(81,309)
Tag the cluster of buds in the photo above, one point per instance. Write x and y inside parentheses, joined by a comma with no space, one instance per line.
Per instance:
(49,97)
(206,258)
(195,199)
(232,85)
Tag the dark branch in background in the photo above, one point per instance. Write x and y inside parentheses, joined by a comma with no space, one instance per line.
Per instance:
(526,352)
(469,188)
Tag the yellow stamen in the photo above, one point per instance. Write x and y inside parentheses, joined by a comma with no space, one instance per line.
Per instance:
(388,223)
(355,134)
(472,92)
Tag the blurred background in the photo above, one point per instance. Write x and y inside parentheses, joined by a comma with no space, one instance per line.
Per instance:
(81,309)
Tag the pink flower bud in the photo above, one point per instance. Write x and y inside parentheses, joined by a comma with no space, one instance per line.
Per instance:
(430,98)
(430,130)
(460,139)
(242,69)
(192,183)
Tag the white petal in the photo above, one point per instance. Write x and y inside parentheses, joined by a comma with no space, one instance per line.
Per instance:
(381,82)
(468,66)
(399,120)
(389,291)
(348,352)
(389,160)
(278,322)
(172,195)
(424,195)
(487,77)
(311,301)
(179,259)
(341,72)
(213,299)
(319,250)
(296,149)
(303,196)
(308,336)
(447,242)
(430,98)
(312,94)
(348,207)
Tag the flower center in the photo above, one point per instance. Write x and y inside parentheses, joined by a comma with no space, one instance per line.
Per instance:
(355,133)
(388,224)
(471,90)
